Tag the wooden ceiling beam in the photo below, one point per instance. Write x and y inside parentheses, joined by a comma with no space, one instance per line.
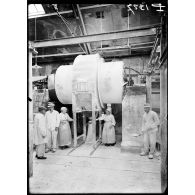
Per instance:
(132,33)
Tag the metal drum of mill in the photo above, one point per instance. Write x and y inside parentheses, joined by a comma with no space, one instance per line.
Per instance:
(105,79)
(51,87)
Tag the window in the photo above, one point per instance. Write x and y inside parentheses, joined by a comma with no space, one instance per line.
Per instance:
(100,14)
(35,9)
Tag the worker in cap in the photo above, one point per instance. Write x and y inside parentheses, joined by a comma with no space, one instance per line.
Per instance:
(149,129)
(64,133)
(109,107)
(51,104)
(52,122)
(108,133)
(40,133)
(147,105)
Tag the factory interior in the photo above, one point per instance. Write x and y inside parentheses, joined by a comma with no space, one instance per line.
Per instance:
(90,58)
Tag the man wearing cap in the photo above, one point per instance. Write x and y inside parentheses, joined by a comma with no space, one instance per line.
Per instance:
(52,121)
(40,133)
(150,124)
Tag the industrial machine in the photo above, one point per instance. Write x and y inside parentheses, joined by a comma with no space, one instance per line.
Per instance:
(88,85)
(91,83)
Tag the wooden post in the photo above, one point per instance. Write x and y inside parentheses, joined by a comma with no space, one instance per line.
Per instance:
(148,89)
(100,126)
(30,110)
(163,127)
(163,104)
(129,74)
(75,119)
(93,118)
(84,126)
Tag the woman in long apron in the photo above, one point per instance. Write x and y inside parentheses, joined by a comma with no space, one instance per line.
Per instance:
(64,134)
(108,134)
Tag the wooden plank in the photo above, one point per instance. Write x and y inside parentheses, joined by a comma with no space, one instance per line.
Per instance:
(97,37)
(76,147)
(80,136)
(95,147)
(59,55)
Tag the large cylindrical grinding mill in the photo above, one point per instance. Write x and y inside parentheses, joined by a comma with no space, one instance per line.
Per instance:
(89,74)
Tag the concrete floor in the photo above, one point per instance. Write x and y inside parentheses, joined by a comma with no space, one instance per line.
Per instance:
(107,170)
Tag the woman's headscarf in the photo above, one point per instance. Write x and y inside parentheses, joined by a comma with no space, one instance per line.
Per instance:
(63,108)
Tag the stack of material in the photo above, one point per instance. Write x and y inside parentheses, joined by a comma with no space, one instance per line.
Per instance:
(40,99)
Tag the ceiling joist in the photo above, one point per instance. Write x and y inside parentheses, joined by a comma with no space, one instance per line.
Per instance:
(132,33)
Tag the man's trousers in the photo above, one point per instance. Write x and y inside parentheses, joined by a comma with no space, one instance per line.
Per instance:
(51,140)
(40,150)
(149,141)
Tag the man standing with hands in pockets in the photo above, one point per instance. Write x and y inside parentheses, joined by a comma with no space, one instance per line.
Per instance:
(52,122)
(150,124)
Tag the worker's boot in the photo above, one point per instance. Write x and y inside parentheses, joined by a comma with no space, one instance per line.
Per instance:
(112,144)
(42,157)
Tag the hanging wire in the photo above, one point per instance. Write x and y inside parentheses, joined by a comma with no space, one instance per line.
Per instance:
(67,23)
